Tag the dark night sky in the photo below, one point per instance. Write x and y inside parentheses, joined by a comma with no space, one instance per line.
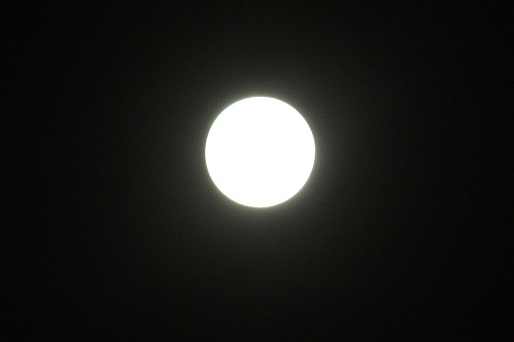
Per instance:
(117,230)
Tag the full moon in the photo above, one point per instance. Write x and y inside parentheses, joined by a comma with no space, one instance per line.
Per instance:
(259,152)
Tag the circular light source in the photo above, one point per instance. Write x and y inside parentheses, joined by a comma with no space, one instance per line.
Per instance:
(259,152)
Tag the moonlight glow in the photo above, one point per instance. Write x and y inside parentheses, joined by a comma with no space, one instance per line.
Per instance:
(259,152)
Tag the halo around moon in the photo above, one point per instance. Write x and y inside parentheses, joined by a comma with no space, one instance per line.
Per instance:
(260,152)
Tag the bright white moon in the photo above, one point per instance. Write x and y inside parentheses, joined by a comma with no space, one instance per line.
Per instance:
(259,152)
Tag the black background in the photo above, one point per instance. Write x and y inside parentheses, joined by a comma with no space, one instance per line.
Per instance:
(118,232)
